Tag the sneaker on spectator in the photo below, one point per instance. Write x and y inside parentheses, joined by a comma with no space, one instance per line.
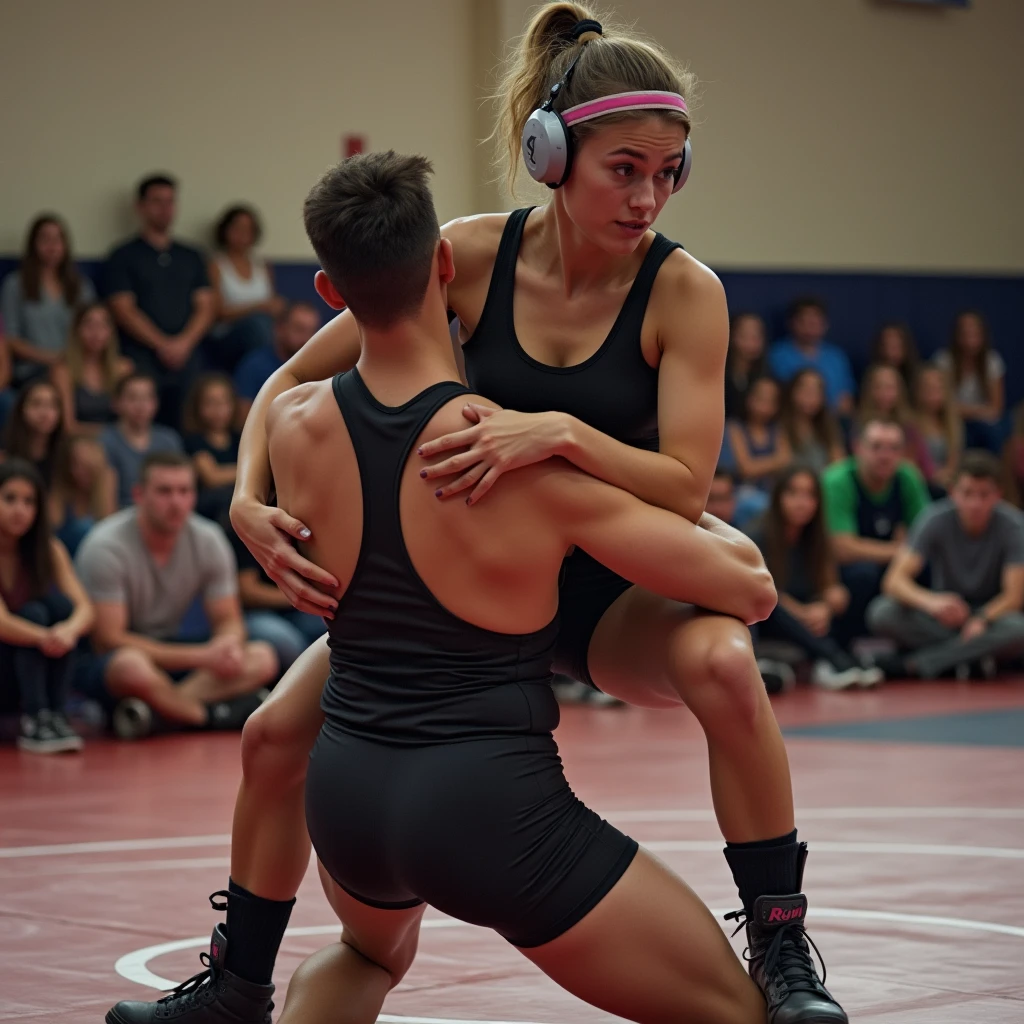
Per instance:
(38,736)
(62,727)
(132,719)
(778,677)
(828,677)
(870,677)
(232,714)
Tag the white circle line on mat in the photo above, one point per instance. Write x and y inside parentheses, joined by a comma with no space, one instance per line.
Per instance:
(134,966)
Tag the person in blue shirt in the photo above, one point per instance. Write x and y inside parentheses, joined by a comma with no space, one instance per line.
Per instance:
(294,327)
(806,348)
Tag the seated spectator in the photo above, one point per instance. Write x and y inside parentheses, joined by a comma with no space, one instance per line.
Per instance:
(978,374)
(747,360)
(89,371)
(971,614)
(721,501)
(44,612)
(169,634)
(884,396)
(939,425)
(810,427)
(84,491)
(7,393)
(134,435)
(161,298)
(799,556)
(293,328)
(759,447)
(39,298)
(894,346)
(871,500)
(806,348)
(35,429)
(1013,459)
(212,443)
(268,614)
(244,287)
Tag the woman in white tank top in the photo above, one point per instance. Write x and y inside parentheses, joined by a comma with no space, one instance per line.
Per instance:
(246,302)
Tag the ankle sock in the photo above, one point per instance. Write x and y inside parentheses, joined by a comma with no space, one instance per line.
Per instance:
(255,928)
(769,867)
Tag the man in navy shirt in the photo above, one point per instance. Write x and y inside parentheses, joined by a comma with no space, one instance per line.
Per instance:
(161,298)
(296,325)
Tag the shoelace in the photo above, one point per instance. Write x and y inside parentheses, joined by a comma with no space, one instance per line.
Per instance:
(188,991)
(788,954)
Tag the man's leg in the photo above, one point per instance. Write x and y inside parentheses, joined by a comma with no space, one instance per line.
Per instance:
(782,624)
(910,628)
(1005,637)
(278,631)
(864,582)
(130,673)
(259,666)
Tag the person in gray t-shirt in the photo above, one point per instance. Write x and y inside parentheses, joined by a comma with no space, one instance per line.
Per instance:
(149,570)
(973,545)
(127,442)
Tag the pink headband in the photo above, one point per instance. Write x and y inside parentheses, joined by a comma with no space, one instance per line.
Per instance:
(624,101)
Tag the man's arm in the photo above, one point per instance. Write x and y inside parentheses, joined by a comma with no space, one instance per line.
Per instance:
(657,549)
(133,321)
(111,631)
(225,617)
(1009,599)
(204,310)
(900,584)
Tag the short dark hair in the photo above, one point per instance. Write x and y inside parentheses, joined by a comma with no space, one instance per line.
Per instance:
(980,465)
(154,181)
(164,460)
(372,223)
(220,232)
(798,305)
(130,378)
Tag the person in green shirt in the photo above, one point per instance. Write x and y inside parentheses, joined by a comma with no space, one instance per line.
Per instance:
(871,500)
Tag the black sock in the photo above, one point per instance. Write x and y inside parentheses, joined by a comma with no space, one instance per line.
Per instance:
(771,867)
(255,929)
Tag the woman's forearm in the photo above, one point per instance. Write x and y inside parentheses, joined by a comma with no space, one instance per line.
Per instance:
(653,477)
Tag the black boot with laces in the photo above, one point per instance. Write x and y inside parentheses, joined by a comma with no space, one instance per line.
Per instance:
(780,962)
(214,996)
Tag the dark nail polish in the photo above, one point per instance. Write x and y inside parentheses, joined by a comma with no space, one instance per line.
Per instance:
(419,451)
(423,473)
(437,494)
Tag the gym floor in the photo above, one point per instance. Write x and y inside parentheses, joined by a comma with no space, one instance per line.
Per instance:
(912,799)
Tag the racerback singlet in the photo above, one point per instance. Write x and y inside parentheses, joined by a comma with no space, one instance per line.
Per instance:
(405,670)
(614,391)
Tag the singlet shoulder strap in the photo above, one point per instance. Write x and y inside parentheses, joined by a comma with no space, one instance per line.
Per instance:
(503,276)
(635,306)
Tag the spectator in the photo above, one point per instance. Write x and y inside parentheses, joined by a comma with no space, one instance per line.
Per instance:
(127,442)
(799,556)
(210,414)
(43,612)
(150,569)
(1013,458)
(88,374)
(971,615)
(870,500)
(39,298)
(883,395)
(978,374)
(244,287)
(721,501)
(939,426)
(161,298)
(806,348)
(759,447)
(813,432)
(894,346)
(7,393)
(35,430)
(746,362)
(296,325)
(268,614)
(84,491)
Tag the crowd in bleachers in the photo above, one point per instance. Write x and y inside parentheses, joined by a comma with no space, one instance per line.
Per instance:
(121,404)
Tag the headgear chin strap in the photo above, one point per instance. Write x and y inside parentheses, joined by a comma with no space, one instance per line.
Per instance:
(547,142)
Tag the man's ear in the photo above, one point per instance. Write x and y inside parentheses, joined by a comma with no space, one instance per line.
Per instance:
(445,261)
(327,291)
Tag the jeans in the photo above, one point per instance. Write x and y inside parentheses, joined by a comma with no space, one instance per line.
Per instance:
(782,624)
(227,348)
(287,630)
(864,582)
(42,682)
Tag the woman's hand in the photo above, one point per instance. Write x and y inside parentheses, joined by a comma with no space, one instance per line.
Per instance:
(500,440)
(265,531)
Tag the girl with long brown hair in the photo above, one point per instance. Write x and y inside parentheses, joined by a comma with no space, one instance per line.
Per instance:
(747,360)
(38,299)
(894,346)
(939,425)
(84,491)
(35,429)
(812,429)
(610,342)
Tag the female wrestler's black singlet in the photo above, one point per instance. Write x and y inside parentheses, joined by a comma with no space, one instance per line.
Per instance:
(614,391)
(435,777)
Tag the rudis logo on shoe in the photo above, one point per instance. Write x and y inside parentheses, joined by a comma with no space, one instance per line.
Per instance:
(779,910)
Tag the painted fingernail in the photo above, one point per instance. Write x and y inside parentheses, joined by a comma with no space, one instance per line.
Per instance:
(423,473)
(419,451)
(304,533)
(438,493)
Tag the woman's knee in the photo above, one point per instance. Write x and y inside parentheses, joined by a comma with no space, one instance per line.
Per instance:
(275,746)
(36,612)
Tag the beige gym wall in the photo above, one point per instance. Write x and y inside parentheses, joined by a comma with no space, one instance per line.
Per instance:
(833,133)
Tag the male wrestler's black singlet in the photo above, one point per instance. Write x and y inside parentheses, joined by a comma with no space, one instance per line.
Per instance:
(614,391)
(435,777)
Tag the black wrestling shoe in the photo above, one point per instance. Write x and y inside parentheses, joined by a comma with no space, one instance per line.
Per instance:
(780,962)
(213,996)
